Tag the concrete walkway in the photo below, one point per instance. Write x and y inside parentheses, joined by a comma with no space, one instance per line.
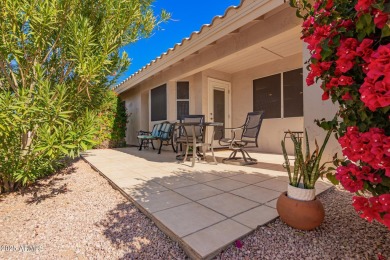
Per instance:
(205,208)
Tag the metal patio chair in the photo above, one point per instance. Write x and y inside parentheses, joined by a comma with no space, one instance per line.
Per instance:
(163,132)
(185,133)
(249,133)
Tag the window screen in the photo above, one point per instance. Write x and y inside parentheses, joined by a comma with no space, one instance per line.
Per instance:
(158,98)
(293,93)
(183,99)
(267,96)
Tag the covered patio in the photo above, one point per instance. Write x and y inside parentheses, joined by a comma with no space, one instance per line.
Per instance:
(204,208)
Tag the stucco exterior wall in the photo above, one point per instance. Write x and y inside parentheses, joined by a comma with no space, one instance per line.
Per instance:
(135,106)
(315,108)
(272,130)
(196,68)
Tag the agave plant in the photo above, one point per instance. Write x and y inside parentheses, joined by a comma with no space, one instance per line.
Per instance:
(306,168)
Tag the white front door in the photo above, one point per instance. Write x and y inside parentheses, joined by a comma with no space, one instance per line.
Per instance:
(219,108)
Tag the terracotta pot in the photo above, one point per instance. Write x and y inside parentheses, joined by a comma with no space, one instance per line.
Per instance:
(304,215)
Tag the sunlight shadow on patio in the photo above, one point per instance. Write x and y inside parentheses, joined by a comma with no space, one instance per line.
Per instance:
(194,204)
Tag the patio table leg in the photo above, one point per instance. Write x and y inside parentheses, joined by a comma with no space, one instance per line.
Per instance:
(194,146)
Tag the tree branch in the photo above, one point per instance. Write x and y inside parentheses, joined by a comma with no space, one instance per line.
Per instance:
(10,81)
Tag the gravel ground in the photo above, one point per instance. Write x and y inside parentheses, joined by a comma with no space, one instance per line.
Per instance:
(76,214)
(343,235)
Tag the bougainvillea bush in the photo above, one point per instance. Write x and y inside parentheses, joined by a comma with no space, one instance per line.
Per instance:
(350,56)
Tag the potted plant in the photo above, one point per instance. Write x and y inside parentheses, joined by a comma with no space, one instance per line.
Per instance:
(299,207)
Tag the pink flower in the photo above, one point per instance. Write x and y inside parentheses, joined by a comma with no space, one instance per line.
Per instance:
(373,208)
(344,65)
(334,82)
(360,203)
(363,5)
(364,50)
(346,96)
(371,147)
(325,95)
(386,220)
(375,91)
(349,177)
(345,81)
(347,48)
(380,18)
(238,244)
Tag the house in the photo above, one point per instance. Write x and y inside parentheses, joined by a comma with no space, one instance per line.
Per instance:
(249,59)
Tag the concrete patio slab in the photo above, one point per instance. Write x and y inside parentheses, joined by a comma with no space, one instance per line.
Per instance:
(188,218)
(272,203)
(250,178)
(161,200)
(198,192)
(257,194)
(226,184)
(201,176)
(228,204)
(257,216)
(174,182)
(204,208)
(143,189)
(273,184)
(205,242)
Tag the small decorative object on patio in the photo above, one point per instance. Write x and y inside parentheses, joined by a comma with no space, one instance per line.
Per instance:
(349,42)
(298,207)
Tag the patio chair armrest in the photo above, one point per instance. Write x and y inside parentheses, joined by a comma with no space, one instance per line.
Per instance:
(252,127)
(142,132)
(232,129)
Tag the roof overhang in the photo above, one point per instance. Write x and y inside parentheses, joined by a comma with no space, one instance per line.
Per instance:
(233,19)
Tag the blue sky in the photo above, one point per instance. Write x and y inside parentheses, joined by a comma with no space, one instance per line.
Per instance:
(186,17)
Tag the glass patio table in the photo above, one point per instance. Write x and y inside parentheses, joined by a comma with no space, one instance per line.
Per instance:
(194,142)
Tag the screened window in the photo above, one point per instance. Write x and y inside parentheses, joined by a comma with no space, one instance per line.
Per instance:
(158,106)
(269,93)
(293,93)
(183,99)
(267,96)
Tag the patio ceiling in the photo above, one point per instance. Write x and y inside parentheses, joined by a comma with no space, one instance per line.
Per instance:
(272,49)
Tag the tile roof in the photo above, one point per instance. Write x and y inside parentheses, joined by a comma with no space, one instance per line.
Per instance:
(229,11)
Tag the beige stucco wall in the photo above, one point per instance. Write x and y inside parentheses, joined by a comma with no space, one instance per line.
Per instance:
(135,106)
(272,130)
(315,108)
(195,68)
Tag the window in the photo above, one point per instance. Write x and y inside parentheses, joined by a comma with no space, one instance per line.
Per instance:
(270,93)
(266,96)
(293,93)
(158,103)
(183,99)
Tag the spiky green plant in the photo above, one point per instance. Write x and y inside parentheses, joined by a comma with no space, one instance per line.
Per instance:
(306,168)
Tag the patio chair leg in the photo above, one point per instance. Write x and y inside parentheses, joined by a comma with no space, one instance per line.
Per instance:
(161,143)
(140,146)
(247,157)
(212,153)
(233,154)
(173,147)
(185,156)
(152,144)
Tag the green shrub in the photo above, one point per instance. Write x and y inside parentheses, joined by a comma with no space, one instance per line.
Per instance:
(57,61)
(112,120)
(36,131)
